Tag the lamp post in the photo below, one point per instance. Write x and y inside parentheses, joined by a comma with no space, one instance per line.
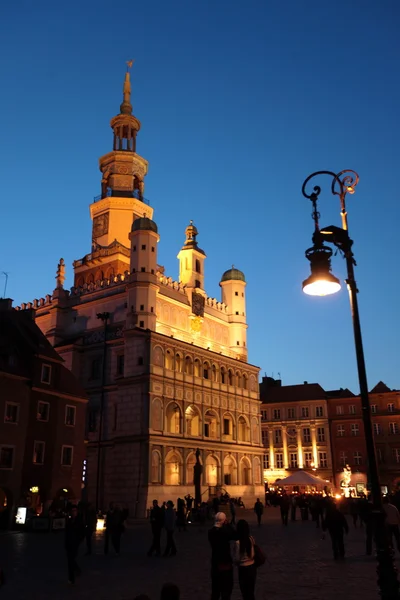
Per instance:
(321,283)
(104,317)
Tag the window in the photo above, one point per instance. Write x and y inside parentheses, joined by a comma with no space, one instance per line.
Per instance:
(377,429)
(227,429)
(380,456)
(120,364)
(374,408)
(340,431)
(238,343)
(38,453)
(152,248)
(278,436)
(343,458)
(390,408)
(396,454)
(6,457)
(339,410)
(306,435)
(95,371)
(143,269)
(357,458)
(70,415)
(198,266)
(323,461)
(141,323)
(143,246)
(264,437)
(393,428)
(291,413)
(293,460)
(355,430)
(11,412)
(197,283)
(236,293)
(92,420)
(352,409)
(43,411)
(266,461)
(67,454)
(46,374)
(206,371)
(264,415)
(319,411)
(308,459)
(134,248)
(304,411)
(155,467)
(321,434)
(279,460)
(277,413)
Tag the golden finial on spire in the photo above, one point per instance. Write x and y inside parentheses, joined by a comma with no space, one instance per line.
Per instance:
(129,64)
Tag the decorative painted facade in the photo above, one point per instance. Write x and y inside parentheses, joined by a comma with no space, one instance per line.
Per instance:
(164,365)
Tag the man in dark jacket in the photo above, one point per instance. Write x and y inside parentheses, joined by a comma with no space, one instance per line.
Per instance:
(335,522)
(169,524)
(74,534)
(259,509)
(114,528)
(157,523)
(220,537)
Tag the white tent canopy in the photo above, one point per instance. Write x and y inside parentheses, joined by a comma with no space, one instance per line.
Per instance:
(302,478)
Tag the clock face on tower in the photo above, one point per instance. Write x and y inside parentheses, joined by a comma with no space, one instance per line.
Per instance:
(198,305)
(100,225)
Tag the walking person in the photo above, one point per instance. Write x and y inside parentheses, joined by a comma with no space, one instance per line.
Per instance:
(336,524)
(285,503)
(243,557)
(181,515)
(114,528)
(74,534)
(157,523)
(169,524)
(90,526)
(232,509)
(293,507)
(220,537)
(392,521)
(259,509)
(189,505)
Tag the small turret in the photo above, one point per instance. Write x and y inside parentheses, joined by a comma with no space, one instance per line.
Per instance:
(191,260)
(233,284)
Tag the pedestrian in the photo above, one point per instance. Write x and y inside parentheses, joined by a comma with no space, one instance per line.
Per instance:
(169,524)
(243,557)
(259,509)
(189,505)
(232,509)
(336,524)
(180,515)
(220,537)
(366,518)
(285,503)
(114,528)
(74,534)
(90,526)
(293,507)
(157,523)
(170,591)
(392,521)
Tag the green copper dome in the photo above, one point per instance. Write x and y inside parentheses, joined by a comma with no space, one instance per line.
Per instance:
(144,224)
(233,274)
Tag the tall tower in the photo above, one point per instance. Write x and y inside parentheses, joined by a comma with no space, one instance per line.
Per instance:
(191,260)
(233,284)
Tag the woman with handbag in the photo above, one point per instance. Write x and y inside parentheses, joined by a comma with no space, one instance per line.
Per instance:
(244,558)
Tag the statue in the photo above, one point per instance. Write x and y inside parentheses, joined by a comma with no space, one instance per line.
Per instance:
(197,472)
(60,276)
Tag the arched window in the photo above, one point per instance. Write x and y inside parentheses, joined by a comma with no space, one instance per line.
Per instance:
(210,425)
(211,470)
(223,375)
(90,278)
(245,382)
(243,430)
(214,373)
(197,368)
(99,276)
(173,418)
(230,471)
(227,427)
(188,366)
(80,281)
(155,467)
(169,360)
(257,470)
(156,414)
(255,431)
(178,363)
(192,417)
(230,377)
(190,462)
(206,370)
(238,378)
(245,471)
(110,273)
(173,467)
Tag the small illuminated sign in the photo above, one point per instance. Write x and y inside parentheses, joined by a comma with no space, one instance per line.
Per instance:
(20,517)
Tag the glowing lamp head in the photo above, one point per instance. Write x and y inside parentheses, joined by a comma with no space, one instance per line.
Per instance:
(321,281)
(350,189)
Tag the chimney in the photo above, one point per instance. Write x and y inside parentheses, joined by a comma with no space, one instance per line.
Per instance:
(6,304)
(306,383)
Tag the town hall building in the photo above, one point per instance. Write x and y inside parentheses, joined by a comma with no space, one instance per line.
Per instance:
(163,364)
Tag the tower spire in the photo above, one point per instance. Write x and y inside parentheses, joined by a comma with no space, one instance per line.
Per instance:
(126,106)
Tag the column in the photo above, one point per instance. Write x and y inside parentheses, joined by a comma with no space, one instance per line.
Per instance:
(300,461)
(285,452)
(314,446)
(271,449)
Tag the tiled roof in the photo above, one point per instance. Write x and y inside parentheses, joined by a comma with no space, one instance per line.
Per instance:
(293,393)
(381,388)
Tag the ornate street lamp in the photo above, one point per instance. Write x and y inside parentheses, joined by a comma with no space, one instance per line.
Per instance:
(321,283)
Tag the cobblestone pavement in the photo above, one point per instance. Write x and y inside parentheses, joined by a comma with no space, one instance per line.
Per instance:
(299,565)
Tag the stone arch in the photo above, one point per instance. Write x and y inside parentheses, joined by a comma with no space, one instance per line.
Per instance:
(243,429)
(211,424)
(173,468)
(178,362)
(110,274)
(245,471)
(211,471)
(156,465)
(158,356)
(214,372)
(156,414)
(253,383)
(193,420)
(197,367)
(80,281)
(206,370)
(223,375)
(245,381)
(188,365)
(257,475)
(230,470)
(173,418)
(169,359)
(190,462)
(255,431)
(99,275)
(90,278)
(238,379)
(230,377)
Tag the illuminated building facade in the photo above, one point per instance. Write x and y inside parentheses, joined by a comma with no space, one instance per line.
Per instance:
(165,366)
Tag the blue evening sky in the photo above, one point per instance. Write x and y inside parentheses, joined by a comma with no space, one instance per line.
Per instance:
(239,102)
